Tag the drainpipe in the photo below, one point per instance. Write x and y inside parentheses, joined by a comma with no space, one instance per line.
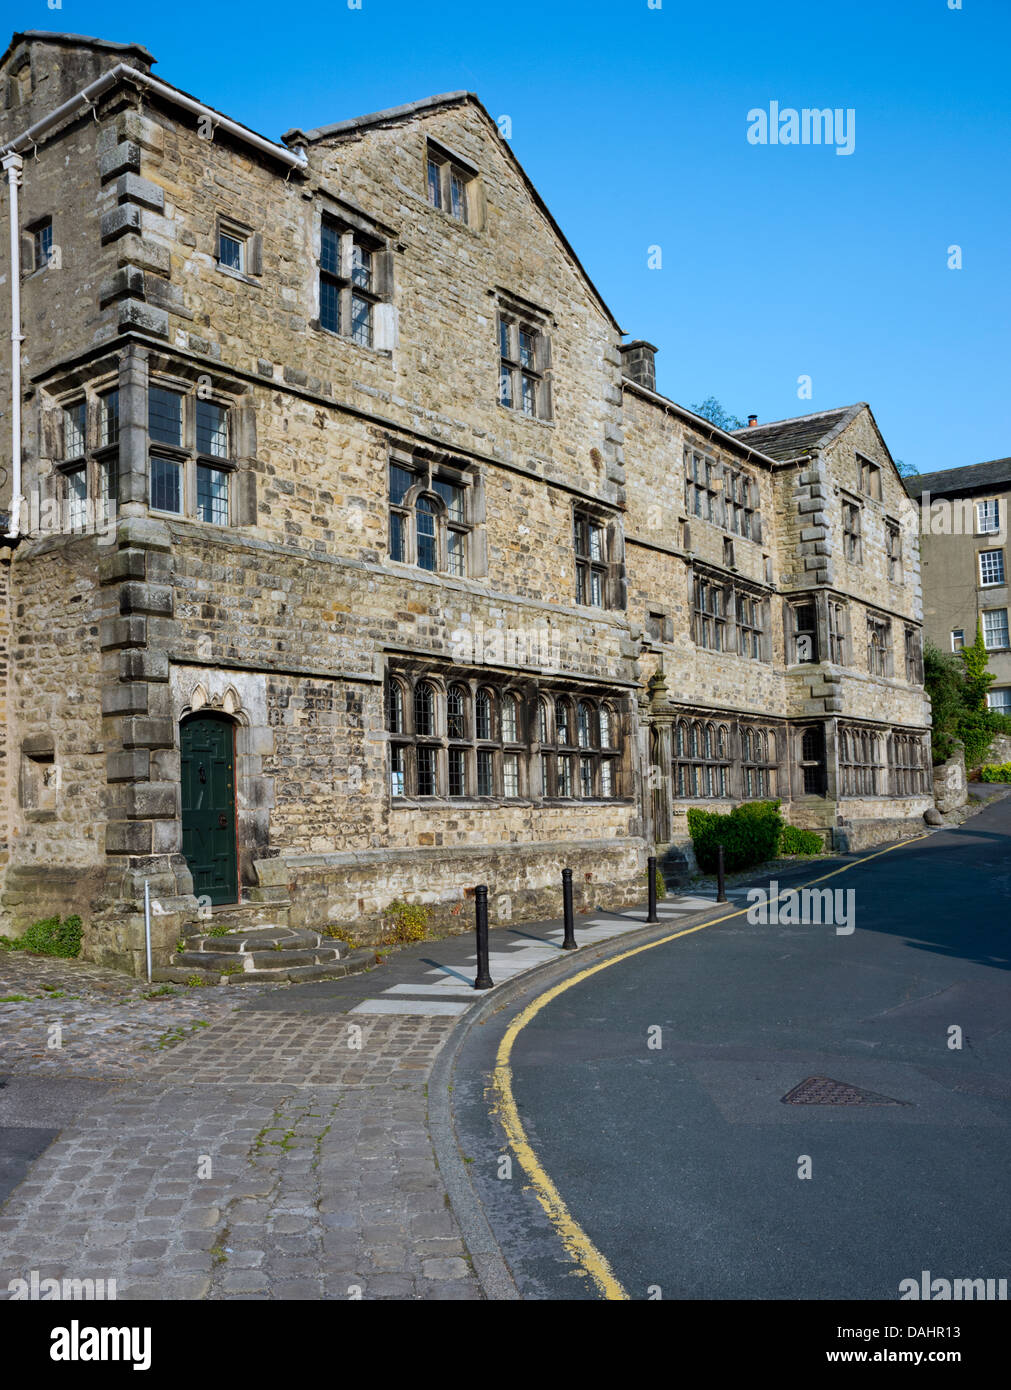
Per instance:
(13,163)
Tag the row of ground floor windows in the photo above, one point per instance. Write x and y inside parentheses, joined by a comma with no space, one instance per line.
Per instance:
(465,739)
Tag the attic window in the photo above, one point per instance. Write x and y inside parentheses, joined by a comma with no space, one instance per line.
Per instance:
(870,478)
(449,182)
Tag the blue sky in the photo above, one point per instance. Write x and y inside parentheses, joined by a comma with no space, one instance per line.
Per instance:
(777,261)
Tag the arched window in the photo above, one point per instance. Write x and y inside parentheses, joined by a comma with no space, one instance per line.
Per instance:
(424,709)
(542,720)
(584,722)
(696,742)
(563,725)
(709,742)
(483,715)
(428,541)
(394,707)
(702,762)
(607,732)
(456,712)
(510,720)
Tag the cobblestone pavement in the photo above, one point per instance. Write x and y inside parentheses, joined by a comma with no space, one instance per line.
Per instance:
(319,1176)
(109,1024)
(262,1142)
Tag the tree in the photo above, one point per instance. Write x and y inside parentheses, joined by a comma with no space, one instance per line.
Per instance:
(957,686)
(907,470)
(977,680)
(711,410)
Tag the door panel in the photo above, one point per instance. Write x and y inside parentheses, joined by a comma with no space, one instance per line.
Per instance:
(208,806)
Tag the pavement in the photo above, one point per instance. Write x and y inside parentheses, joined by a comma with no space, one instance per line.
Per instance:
(247,1142)
(335,1139)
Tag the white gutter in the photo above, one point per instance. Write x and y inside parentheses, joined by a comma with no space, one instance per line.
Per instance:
(122,72)
(11,154)
(12,163)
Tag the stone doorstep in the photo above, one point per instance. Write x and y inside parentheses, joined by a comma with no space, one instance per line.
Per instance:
(352,964)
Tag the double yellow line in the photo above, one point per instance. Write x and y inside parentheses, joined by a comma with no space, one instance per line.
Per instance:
(573,1237)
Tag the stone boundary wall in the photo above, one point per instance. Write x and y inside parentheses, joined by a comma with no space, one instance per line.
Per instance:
(354,889)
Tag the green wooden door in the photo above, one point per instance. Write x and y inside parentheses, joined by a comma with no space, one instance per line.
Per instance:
(207,745)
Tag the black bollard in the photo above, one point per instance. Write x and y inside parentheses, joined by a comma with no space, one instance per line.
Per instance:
(721,892)
(651,871)
(569,944)
(484,979)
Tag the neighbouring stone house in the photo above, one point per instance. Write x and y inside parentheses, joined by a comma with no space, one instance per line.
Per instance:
(963,539)
(357,559)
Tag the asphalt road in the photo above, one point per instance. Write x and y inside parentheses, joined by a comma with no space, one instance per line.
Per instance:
(680,1163)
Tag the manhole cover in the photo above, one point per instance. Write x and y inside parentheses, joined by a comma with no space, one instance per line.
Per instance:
(822,1090)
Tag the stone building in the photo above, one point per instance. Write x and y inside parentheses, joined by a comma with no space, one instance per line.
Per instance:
(963,539)
(352,558)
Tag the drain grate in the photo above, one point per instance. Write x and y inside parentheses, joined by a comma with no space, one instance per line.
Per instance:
(822,1090)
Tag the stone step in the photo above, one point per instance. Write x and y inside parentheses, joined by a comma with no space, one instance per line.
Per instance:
(364,958)
(260,912)
(263,938)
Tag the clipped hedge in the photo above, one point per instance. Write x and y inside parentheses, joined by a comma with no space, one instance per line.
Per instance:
(995,772)
(749,834)
(793,840)
(51,937)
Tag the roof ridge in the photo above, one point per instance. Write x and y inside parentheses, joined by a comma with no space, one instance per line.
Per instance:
(793,419)
(388,113)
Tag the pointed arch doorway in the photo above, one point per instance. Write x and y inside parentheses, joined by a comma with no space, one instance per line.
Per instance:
(207,758)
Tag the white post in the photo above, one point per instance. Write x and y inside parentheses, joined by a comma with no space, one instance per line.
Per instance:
(147,926)
(13,163)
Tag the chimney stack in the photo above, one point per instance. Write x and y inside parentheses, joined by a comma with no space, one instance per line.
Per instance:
(637,363)
(752,420)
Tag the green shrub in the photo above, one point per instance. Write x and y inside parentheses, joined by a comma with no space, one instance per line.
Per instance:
(749,835)
(51,937)
(793,840)
(995,772)
(661,887)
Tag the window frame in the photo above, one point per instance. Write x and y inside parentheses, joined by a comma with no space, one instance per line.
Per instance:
(1001,629)
(530,377)
(341,275)
(853,531)
(449,169)
(402,514)
(995,565)
(188,457)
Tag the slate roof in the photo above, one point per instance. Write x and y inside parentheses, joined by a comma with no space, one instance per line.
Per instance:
(968,479)
(791,439)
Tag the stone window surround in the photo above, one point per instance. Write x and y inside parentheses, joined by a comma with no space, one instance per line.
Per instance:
(709,481)
(31,261)
(528,748)
(861,767)
(991,562)
(715,751)
(186,454)
(516,315)
(852,529)
(730,588)
(907,764)
(100,461)
(914,655)
(252,249)
(581,745)
(893,547)
(880,658)
(831,631)
(868,477)
(613,565)
(354,224)
(449,164)
(429,466)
